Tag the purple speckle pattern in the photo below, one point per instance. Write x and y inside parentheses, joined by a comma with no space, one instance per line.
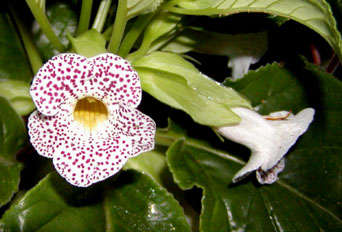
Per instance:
(81,156)
(136,125)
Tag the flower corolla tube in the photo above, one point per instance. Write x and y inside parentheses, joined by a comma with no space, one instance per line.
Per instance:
(269,138)
(86,118)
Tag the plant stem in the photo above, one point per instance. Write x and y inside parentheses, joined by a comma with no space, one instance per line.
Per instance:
(41,4)
(44,24)
(140,52)
(119,27)
(108,32)
(164,139)
(101,15)
(31,50)
(333,64)
(134,33)
(83,24)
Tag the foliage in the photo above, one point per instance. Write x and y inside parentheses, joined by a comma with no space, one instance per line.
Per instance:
(285,56)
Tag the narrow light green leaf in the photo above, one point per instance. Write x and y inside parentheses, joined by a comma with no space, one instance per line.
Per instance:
(18,94)
(199,4)
(136,7)
(176,82)
(12,138)
(160,28)
(161,24)
(315,14)
(174,64)
(13,62)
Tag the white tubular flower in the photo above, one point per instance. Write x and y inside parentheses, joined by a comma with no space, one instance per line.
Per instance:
(86,118)
(269,139)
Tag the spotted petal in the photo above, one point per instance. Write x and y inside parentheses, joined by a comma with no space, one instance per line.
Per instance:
(47,133)
(139,127)
(113,81)
(91,160)
(89,125)
(83,158)
(58,80)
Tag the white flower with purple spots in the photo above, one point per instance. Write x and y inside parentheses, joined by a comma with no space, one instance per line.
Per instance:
(86,117)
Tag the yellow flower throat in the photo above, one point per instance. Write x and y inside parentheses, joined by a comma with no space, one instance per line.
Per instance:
(90,112)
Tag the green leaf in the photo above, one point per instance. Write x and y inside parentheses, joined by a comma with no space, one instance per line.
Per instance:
(317,155)
(136,7)
(15,71)
(53,205)
(154,209)
(245,207)
(271,88)
(307,196)
(12,138)
(13,133)
(18,94)
(153,164)
(133,203)
(9,180)
(176,82)
(13,62)
(315,14)
(63,20)
(161,28)
(143,164)
(89,44)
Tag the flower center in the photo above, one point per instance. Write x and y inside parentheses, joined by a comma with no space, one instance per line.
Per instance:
(90,112)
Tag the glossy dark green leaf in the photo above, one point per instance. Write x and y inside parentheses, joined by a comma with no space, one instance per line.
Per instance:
(133,203)
(317,154)
(307,196)
(247,206)
(63,20)
(12,137)
(139,204)
(53,205)
(271,88)
(9,180)
(13,62)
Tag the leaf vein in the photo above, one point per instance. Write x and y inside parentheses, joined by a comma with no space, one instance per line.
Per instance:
(306,198)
